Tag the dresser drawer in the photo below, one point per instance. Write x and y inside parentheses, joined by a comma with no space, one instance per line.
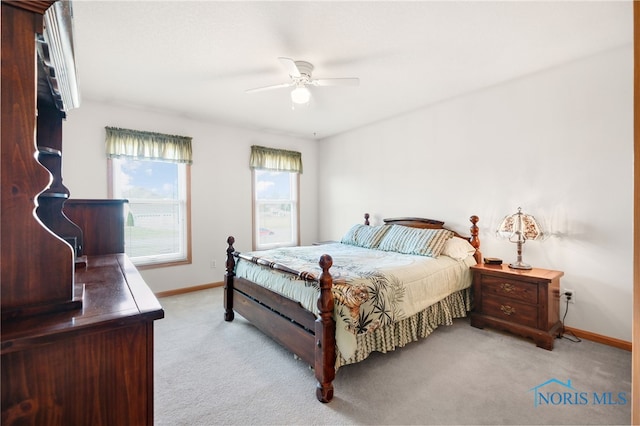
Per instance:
(510,310)
(504,287)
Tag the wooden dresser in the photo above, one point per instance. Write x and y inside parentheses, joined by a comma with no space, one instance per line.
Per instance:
(523,302)
(92,366)
(76,344)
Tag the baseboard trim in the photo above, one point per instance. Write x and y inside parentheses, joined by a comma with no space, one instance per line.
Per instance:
(188,289)
(599,338)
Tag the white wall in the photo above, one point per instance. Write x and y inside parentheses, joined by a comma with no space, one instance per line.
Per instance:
(558,143)
(220,181)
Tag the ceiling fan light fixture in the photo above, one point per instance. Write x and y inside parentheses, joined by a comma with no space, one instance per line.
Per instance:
(300,95)
(300,78)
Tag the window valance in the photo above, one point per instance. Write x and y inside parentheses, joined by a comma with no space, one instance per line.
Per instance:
(148,145)
(275,159)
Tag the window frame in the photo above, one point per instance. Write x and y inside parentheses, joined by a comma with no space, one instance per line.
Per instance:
(295,212)
(187,260)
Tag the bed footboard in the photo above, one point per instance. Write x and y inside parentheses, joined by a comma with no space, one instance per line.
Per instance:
(297,329)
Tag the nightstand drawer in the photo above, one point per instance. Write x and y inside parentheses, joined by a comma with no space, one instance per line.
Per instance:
(503,287)
(510,310)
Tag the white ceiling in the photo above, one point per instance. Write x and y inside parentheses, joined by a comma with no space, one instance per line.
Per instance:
(196,58)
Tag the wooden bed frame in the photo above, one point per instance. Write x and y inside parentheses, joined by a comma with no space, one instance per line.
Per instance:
(287,322)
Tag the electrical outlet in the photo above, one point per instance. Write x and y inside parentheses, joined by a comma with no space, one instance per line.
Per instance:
(569,295)
(213,264)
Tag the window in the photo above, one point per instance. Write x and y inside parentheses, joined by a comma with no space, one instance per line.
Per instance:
(157,230)
(276,176)
(275,208)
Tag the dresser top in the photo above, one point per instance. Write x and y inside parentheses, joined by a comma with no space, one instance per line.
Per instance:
(112,291)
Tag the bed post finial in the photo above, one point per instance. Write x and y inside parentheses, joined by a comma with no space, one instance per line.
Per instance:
(366,219)
(325,334)
(228,280)
(231,263)
(474,240)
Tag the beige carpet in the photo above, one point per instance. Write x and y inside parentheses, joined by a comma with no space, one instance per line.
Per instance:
(209,372)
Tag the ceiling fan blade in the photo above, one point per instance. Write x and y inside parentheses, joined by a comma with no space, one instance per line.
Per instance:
(276,86)
(336,82)
(290,66)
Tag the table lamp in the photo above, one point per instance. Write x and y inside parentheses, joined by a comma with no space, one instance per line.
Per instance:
(519,228)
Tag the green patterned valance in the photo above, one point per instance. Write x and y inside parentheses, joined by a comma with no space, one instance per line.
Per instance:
(275,159)
(148,146)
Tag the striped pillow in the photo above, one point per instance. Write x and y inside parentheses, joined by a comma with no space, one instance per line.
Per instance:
(423,242)
(365,236)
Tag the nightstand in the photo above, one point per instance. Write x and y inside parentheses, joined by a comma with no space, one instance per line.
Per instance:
(523,302)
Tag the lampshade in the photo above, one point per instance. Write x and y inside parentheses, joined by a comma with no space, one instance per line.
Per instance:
(518,228)
(300,95)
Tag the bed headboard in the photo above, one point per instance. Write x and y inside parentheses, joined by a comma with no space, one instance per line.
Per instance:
(419,222)
(415,222)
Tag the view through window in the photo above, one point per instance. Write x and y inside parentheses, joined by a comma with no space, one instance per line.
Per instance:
(275,208)
(156,215)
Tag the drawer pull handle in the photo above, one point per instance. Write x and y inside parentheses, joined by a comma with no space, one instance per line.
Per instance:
(506,287)
(507,310)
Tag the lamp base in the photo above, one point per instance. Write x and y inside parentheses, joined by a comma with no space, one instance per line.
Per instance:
(520,265)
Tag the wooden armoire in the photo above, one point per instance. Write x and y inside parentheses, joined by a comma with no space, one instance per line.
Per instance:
(76,337)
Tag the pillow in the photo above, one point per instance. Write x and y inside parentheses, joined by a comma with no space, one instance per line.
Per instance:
(423,242)
(365,236)
(458,248)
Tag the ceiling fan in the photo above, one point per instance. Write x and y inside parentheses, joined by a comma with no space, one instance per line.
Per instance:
(300,74)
